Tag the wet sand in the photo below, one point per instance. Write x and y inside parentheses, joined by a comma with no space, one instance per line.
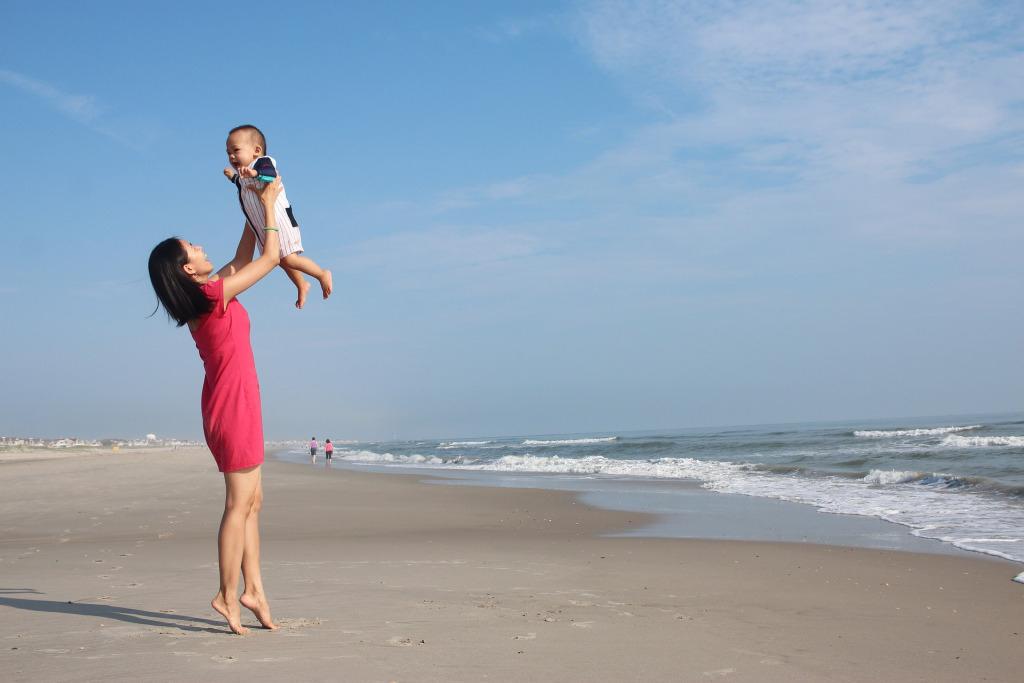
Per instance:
(108,563)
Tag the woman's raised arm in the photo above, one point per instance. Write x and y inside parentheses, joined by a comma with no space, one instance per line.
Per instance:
(248,272)
(243,254)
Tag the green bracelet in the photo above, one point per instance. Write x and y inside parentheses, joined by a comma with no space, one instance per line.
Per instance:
(270,230)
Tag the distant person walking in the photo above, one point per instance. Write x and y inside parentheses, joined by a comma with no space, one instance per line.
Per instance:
(313,446)
(329,449)
(194,294)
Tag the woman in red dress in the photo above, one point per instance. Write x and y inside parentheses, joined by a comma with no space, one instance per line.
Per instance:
(194,295)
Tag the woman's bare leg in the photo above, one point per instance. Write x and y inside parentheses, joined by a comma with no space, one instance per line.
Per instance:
(253,597)
(240,493)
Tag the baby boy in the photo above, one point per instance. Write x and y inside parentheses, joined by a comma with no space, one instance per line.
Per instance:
(250,165)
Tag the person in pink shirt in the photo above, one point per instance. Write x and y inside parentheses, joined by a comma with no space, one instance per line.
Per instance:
(329,449)
(193,294)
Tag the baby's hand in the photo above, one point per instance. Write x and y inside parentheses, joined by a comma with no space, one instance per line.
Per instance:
(248,172)
(229,172)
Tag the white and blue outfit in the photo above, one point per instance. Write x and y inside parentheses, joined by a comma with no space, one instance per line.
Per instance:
(252,208)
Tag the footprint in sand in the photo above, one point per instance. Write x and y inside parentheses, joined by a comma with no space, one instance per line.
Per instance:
(719,673)
(400,642)
(297,623)
(583,624)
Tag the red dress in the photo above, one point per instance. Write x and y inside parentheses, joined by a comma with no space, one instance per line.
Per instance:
(232,419)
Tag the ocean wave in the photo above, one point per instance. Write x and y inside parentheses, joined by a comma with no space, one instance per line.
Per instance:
(444,445)
(933,431)
(373,457)
(569,442)
(957,441)
(884,477)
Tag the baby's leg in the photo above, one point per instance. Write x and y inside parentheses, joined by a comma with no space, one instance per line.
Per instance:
(307,266)
(299,281)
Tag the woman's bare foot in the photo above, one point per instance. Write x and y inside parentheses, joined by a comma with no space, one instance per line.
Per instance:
(259,606)
(231,613)
(326,283)
(303,291)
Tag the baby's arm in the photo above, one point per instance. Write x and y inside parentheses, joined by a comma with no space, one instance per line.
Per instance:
(264,169)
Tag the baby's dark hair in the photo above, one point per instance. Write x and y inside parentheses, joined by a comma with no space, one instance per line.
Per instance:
(253,130)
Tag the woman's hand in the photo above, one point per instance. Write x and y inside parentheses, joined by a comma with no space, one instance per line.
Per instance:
(269,192)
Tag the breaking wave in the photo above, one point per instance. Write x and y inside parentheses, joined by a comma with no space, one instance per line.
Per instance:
(933,431)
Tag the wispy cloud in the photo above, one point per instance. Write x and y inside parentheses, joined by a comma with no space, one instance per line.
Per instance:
(85,109)
(883,119)
(854,85)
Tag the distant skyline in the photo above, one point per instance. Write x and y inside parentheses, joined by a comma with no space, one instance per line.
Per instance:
(541,217)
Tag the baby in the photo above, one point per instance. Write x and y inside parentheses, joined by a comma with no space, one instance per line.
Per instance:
(247,149)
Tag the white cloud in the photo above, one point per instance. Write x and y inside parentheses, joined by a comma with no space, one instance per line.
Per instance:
(85,109)
(864,115)
(82,108)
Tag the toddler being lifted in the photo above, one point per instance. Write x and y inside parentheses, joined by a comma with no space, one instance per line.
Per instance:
(250,166)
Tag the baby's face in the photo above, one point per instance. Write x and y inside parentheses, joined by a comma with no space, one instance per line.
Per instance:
(243,148)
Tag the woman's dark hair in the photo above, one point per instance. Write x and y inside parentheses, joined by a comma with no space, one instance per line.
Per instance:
(179,294)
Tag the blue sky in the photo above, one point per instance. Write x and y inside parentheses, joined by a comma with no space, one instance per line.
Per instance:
(541,217)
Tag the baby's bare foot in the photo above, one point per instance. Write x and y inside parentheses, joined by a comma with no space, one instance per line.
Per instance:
(303,291)
(232,614)
(326,283)
(259,606)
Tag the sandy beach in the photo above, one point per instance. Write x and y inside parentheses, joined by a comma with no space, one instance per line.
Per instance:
(108,566)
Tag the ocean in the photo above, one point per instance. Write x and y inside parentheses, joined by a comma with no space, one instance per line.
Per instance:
(957,479)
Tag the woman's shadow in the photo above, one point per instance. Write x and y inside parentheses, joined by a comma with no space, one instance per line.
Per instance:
(181,622)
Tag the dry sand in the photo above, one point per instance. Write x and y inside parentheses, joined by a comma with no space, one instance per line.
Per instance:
(107,566)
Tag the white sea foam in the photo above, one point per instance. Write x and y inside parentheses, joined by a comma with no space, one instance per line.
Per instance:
(933,431)
(447,445)
(569,442)
(884,477)
(982,523)
(372,457)
(957,441)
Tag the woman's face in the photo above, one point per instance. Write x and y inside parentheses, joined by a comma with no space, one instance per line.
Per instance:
(198,264)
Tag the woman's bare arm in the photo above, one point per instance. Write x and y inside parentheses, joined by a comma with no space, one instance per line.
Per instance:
(243,254)
(254,270)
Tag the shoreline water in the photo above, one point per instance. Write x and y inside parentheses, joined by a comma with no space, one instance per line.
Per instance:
(956,480)
(681,509)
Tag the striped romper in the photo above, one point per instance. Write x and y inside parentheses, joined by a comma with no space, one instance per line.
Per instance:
(252,208)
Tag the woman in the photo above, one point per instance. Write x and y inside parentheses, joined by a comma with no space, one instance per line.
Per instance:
(194,295)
